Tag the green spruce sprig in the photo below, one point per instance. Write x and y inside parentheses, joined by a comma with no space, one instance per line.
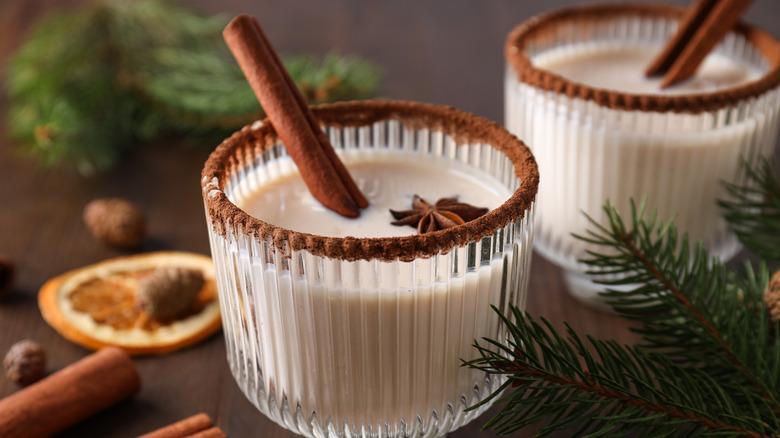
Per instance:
(600,388)
(709,363)
(754,210)
(90,84)
(684,299)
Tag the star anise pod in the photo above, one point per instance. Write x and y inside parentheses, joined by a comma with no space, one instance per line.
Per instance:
(446,213)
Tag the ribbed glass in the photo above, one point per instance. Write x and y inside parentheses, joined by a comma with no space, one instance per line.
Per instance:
(588,154)
(332,348)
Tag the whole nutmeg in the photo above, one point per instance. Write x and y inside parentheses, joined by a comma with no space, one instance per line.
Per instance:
(168,293)
(116,222)
(25,363)
(7,275)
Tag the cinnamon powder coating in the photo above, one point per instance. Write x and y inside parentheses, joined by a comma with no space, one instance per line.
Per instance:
(545,25)
(235,152)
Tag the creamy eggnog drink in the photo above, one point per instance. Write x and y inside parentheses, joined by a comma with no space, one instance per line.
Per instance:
(357,327)
(620,66)
(390,182)
(577,93)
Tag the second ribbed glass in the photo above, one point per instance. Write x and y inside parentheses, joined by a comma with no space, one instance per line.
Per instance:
(596,145)
(370,347)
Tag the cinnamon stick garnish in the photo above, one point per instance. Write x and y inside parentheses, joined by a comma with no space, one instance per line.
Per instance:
(183,428)
(323,141)
(703,26)
(321,170)
(70,395)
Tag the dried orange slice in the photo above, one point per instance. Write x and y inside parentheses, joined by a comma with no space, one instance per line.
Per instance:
(96,306)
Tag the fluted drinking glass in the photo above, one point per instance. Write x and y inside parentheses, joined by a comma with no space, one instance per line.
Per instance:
(347,337)
(595,145)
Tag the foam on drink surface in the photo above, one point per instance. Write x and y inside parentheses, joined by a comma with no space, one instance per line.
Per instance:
(620,67)
(389,181)
(368,341)
(590,154)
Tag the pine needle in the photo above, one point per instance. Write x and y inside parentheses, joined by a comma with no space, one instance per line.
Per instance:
(90,84)
(709,363)
(753,211)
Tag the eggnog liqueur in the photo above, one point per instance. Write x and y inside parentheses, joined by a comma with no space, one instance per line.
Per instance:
(675,164)
(620,67)
(389,181)
(590,154)
(393,352)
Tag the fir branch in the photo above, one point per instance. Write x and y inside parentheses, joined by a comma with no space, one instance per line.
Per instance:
(753,210)
(708,365)
(90,84)
(600,388)
(53,81)
(692,315)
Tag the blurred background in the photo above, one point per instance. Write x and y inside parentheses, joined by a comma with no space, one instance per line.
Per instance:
(439,51)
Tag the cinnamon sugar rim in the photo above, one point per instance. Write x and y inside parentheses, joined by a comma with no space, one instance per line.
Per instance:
(249,142)
(515,54)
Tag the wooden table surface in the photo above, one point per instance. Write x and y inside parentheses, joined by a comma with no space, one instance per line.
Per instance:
(439,51)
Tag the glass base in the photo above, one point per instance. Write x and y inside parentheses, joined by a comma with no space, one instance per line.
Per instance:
(312,427)
(582,287)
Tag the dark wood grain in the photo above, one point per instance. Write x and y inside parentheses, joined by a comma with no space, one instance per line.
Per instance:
(443,51)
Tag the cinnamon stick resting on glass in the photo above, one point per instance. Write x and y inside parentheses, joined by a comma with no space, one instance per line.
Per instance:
(324,174)
(703,26)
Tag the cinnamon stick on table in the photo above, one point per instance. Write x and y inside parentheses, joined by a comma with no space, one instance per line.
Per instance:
(70,395)
(321,170)
(703,26)
(212,432)
(184,428)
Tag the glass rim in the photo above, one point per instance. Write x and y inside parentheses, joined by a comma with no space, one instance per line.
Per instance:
(527,73)
(254,139)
